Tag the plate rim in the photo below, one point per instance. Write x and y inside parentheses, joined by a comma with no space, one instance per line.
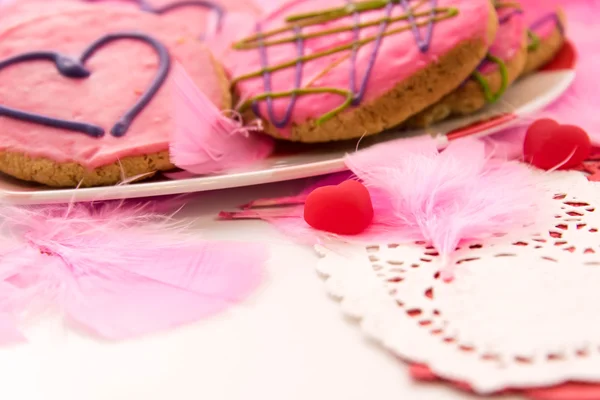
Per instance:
(244,178)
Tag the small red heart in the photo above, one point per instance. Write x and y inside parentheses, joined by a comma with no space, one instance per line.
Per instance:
(345,209)
(549,144)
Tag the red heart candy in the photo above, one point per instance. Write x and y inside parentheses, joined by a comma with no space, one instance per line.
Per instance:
(549,144)
(345,209)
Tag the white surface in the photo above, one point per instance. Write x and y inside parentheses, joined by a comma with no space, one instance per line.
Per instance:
(527,301)
(289,342)
(524,97)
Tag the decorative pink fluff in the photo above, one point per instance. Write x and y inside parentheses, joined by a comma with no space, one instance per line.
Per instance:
(286,213)
(9,333)
(446,197)
(506,145)
(204,140)
(116,269)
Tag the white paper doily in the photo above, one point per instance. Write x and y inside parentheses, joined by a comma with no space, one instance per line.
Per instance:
(522,311)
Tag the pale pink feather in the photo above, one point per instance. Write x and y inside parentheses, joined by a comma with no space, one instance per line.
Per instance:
(420,193)
(117,270)
(287,213)
(204,141)
(446,197)
(9,333)
(506,144)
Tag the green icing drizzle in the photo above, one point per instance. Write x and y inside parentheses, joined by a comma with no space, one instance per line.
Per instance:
(534,40)
(478,76)
(507,4)
(295,22)
(344,93)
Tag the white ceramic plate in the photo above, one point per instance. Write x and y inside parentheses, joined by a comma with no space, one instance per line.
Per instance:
(524,97)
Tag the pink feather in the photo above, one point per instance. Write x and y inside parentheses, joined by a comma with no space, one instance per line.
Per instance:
(117,270)
(420,193)
(204,140)
(9,334)
(446,197)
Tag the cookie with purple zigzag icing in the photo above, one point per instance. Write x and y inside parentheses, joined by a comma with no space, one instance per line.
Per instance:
(316,72)
(503,64)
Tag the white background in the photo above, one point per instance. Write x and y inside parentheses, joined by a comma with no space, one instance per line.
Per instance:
(288,342)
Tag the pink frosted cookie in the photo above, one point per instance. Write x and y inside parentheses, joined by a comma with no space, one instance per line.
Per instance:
(546,25)
(503,65)
(85,97)
(318,71)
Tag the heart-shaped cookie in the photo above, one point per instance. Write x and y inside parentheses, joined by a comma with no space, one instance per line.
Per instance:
(74,68)
(344,209)
(120,73)
(319,71)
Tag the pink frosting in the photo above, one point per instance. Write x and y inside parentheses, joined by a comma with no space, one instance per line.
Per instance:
(536,10)
(511,37)
(197,19)
(192,18)
(120,72)
(398,57)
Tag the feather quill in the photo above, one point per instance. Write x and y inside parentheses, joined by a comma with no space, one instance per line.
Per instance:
(204,141)
(117,270)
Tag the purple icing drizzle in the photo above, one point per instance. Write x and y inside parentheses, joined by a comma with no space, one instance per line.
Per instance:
(267,79)
(74,68)
(502,20)
(357,98)
(507,17)
(423,45)
(548,17)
